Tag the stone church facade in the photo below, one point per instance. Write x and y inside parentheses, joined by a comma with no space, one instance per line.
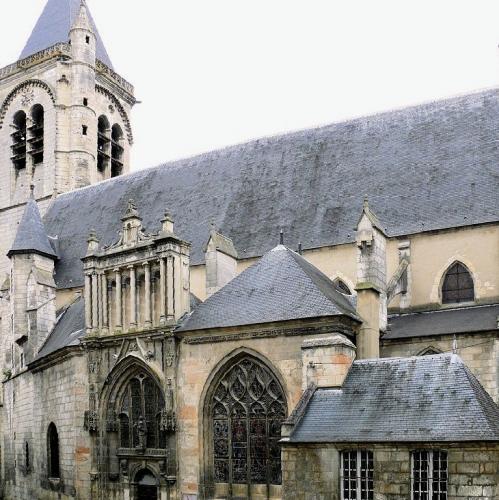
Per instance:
(308,316)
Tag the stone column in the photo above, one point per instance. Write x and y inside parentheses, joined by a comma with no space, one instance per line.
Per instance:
(88,301)
(119,315)
(105,311)
(133,298)
(162,290)
(147,293)
(177,287)
(95,301)
(170,264)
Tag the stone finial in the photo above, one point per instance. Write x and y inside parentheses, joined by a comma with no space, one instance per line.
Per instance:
(167,223)
(82,20)
(131,211)
(93,242)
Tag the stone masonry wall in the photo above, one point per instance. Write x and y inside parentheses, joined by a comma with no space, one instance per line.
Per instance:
(312,472)
(480,353)
(58,394)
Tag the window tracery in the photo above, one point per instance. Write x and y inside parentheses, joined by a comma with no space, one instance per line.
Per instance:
(140,414)
(247,410)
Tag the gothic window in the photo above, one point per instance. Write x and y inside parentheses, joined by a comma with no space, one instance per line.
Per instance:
(458,285)
(429,475)
(103,143)
(246,412)
(19,140)
(357,475)
(36,143)
(116,151)
(341,286)
(53,451)
(140,414)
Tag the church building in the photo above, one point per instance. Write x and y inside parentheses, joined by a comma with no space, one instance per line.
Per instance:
(308,316)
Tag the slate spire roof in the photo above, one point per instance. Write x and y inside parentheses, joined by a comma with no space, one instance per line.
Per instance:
(31,236)
(419,399)
(53,27)
(281,286)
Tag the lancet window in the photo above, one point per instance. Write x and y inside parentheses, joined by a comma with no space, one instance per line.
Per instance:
(103,143)
(458,285)
(116,151)
(19,140)
(141,411)
(53,451)
(36,132)
(246,412)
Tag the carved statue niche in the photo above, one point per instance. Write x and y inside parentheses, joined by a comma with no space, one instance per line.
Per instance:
(168,418)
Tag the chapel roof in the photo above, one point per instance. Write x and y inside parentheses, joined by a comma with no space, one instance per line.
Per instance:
(53,27)
(281,286)
(31,236)
(419,399)
(427,167)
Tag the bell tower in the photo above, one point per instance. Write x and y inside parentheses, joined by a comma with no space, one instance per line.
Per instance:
(64,115)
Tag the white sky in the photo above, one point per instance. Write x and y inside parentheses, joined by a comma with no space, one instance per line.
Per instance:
(211,73)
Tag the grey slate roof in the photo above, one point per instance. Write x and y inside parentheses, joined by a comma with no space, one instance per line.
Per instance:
(428,167)
(281,286)
(419,399)
(31,235)
(68,331)
(461,320)
(53,27)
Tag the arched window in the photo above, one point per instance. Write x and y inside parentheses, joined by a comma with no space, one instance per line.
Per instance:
(341,286)
(116,151)
(53,452)
(19,140)
(140,414)
(103,143)
(36,144)
(457,285)
(246,411)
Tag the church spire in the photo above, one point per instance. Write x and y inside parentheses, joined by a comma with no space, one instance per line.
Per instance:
(54,25)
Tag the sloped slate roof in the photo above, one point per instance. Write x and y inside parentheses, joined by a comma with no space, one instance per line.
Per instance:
(461,320)
(281,286)
(428,167)
(31,235)
(68,331)
(419,399)
(53,27)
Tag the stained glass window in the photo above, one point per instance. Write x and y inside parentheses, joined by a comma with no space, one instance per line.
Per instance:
(247,410)
(140,414)
(458,285)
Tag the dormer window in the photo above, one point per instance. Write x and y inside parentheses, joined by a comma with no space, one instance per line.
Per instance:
(19,140)
(457,285)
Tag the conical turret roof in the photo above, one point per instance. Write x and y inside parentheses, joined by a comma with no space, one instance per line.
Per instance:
(53,27)
(31,236)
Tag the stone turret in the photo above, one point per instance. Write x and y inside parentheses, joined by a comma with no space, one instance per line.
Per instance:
(32,287)
(371,282)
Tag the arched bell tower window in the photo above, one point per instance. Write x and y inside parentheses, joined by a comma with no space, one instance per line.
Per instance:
(341,286)
(19,140)
(116,150)
(103,143)
(140,414)
(457,285)
(53,452)
(246,411)
(36,131)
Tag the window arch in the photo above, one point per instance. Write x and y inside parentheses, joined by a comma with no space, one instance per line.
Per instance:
(103,143)
(19,140)
(36,132)
(140,413)
(341,286)
(245,412)
(457,285)
(53,452)
(116,150)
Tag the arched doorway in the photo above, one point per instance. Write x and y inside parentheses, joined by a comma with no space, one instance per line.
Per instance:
(245,410)
(147,486)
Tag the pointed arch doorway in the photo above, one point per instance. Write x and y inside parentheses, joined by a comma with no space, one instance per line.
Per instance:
(147,485)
